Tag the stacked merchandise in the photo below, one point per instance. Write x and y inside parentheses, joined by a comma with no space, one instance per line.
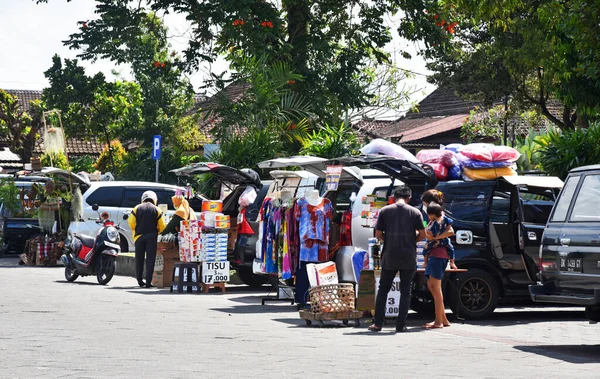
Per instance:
(486,162)
(444,162)
(371,205)
(206,239)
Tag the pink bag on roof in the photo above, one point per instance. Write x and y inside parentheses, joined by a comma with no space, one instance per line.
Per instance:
(444,157)
(490,153)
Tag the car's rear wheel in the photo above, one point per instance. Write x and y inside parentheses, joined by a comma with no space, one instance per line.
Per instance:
(475,295)
(593,313)
(250,279)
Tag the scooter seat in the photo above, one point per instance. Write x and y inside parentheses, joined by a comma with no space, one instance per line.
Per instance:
(87,241)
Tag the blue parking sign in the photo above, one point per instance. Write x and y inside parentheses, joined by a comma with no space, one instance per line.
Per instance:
(156,146)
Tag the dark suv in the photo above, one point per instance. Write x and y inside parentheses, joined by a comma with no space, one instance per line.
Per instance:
(498,225)
(570,252)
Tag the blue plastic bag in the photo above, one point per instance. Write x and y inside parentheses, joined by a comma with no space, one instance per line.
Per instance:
(455,172)
(472,163)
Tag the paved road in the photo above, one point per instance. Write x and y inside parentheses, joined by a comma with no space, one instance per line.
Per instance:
(50,328)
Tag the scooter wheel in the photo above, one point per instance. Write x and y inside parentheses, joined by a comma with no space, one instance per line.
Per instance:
(71,273)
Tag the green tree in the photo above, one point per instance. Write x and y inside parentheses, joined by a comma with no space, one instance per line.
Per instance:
(331,142)
(332,44)
(20,128)
(526,49)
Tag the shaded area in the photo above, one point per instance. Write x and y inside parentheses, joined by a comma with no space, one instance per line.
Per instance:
(567,353)
(530,316)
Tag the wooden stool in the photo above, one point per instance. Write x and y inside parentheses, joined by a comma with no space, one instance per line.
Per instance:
(186,274)
(206,287)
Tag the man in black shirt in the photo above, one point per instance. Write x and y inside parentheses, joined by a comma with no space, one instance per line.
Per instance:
(399,227)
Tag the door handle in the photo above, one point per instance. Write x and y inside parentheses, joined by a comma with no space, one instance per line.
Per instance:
(565,241)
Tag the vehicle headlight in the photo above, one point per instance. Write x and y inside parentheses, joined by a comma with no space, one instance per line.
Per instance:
(112,234)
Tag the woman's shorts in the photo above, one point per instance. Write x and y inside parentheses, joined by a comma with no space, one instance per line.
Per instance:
(436,267)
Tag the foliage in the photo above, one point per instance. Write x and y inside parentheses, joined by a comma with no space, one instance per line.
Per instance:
(529,147)
(267,119)
(112,159)
(331,142)
(528,49)
(138,165)
(562,151)
(20,128)
(91,106)
(330,43)
(84,163)
(9,197)
(55,159)
(482,125)
(258,144)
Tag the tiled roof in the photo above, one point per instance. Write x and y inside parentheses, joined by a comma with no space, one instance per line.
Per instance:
(442,102)
(25,97)
(233,92)
(8,156)
(75,147)
(417,129)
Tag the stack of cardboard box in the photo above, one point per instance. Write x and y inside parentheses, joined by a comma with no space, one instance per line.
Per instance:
(167,254)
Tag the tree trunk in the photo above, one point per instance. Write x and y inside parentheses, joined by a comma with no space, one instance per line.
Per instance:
(298,14)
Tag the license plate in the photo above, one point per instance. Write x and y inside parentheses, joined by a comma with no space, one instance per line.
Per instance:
(571,265)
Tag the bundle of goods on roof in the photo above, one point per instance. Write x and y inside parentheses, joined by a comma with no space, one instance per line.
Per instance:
(444,162)
(476,161)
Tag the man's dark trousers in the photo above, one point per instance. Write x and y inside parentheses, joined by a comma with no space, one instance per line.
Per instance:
(145,245)
(385,284)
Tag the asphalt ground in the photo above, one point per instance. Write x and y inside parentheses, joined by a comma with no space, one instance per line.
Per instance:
(53,329)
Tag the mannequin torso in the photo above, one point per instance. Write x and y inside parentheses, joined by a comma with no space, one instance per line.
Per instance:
(313,198)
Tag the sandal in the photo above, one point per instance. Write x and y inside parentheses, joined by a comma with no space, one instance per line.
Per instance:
(432,326)
(375,328)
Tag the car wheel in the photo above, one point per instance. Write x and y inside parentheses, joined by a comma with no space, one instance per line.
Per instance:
(593,313)
(250,279)
(475,295)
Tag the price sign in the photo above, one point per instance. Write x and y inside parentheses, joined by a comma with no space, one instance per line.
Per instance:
(332,177)
(392,305)
(215,272)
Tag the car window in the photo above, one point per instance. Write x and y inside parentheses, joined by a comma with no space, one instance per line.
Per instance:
(106,196)
(164,197)
(196,203)
(254,209)
(133,197)
(587,200)
(500,210)
(467,203)
(562,206)
(536,207)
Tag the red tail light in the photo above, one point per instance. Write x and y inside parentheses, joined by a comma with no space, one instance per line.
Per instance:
(346,229)
(109,223)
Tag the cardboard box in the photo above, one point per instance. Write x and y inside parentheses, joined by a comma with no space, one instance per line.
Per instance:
(169,250)
(163,278)
(232,238)
(366,291)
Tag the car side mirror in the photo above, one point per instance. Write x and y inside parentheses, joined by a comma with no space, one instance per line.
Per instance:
(125,216)
(95,207)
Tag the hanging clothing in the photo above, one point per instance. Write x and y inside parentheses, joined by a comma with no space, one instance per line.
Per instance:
(286,261)
(313,226)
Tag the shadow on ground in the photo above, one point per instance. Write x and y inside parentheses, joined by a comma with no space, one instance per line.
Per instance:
(568,353)
(530,316)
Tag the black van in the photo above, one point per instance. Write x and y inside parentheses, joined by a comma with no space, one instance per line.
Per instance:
(570,252)
(498,226)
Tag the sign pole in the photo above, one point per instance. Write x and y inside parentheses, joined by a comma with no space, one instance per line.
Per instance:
(156,180)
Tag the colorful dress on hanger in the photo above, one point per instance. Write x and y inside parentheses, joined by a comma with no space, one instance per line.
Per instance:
(286,259)
(313,228)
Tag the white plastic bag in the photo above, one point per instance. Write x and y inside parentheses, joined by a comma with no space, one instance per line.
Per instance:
(381,146)
(320,274)
(248,197)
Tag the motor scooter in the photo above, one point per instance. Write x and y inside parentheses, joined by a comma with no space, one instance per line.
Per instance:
(84,255)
